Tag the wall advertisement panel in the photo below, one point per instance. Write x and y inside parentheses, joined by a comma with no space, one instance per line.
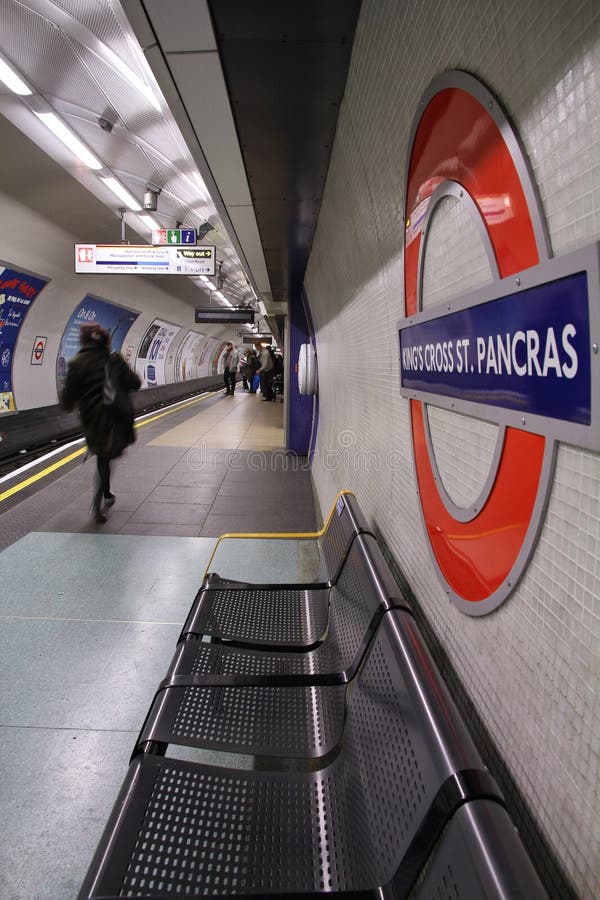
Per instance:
(17,292)
(188,355)
(205,361)
(117,320)
(153,350)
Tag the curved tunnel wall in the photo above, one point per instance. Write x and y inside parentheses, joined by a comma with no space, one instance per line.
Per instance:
(47,251)
(527,674)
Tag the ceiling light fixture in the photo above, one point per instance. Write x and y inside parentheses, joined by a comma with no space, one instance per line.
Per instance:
(13,82)
(70,140)
(138,83)
(122,193)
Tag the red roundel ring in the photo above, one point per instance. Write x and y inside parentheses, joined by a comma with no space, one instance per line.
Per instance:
(460,135)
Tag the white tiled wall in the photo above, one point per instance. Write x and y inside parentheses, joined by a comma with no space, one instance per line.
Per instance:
(532,668)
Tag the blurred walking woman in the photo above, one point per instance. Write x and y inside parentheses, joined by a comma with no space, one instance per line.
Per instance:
(99,382)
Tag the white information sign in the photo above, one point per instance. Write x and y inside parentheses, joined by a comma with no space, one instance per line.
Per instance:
(142,259)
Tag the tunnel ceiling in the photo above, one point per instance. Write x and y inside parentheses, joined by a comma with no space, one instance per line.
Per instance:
(240,138)
(285,66)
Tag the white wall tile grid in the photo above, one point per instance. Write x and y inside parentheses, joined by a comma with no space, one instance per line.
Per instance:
(532,668)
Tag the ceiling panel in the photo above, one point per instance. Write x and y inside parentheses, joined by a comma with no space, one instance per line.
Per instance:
(202,89)
(183,25)
(285,65)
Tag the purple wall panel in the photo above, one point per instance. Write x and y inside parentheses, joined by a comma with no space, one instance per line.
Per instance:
(301,408)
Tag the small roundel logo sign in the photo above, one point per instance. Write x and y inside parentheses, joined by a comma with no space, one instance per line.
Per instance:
(520,353)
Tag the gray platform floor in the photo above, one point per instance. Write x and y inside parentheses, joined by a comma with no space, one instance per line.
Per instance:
(90,616)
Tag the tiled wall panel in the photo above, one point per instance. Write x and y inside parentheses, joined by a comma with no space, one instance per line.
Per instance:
(527,675)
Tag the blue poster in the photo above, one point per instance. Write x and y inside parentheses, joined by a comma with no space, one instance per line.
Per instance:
(117,320)
(17,293)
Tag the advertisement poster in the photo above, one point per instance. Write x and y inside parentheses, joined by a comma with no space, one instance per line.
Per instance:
(117,320)
(205,361)
(218,366)
(188,354)
(150,363)
(17,293)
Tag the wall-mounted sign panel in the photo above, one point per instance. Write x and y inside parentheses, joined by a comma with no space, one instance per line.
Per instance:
(525,352)
(223,314)
(142,259)
(153,351)
(521,353)
(18,290)
(38,350)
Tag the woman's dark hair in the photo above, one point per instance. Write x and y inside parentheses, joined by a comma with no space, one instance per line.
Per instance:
(91,335)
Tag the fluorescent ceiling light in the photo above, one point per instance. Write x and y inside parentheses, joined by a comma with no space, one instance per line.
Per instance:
(65,135)
(13,81)
(262,307)
(122,193)
(149,222)
(142,86)
(207,282)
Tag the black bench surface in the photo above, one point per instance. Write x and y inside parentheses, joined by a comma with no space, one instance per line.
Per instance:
(289,616)
(347,825)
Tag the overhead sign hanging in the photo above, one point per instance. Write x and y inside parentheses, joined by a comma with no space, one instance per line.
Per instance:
(174,236)
(223,314)
(142,259)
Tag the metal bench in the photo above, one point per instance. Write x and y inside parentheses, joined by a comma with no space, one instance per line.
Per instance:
(363,591)
(288,616)
(276,702)
(373,818)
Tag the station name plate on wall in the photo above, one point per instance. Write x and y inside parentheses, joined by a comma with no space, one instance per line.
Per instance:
(520,352)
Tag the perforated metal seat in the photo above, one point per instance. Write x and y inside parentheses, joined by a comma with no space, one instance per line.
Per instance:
(290,722)
(285,616)
(270,615)
(364,590)
(368,818)
(275,703)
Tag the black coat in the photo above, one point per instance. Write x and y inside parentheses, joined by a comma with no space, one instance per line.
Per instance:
(108,429)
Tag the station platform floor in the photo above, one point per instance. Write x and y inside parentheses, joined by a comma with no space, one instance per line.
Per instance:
(90,614)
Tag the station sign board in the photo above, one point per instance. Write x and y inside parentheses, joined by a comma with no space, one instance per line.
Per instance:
(223,314)
(522,352)
(143,259)
(255,338)
(514,353)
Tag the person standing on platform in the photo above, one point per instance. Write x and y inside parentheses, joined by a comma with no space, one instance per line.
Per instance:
(231,361)
(99,382)
(250,370)
(265,370)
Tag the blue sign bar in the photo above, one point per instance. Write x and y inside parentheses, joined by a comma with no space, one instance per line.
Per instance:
(529,351)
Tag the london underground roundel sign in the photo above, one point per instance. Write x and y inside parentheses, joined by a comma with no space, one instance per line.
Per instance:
(517,353)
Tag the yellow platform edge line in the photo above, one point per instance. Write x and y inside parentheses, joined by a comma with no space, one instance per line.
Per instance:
(21,485)
(277,535)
